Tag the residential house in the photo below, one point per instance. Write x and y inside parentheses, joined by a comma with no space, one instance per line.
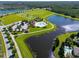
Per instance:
(67,51)
(76,51)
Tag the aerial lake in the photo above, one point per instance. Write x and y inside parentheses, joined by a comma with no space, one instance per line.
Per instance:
(10,11)
(60,21)
(42,45)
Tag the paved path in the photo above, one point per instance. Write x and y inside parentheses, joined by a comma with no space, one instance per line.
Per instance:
(16,46)
(7,46)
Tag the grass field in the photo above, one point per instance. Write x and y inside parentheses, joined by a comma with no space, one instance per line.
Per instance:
(27,15)
(42,13)
(62,39)
(2,47)
(10,19)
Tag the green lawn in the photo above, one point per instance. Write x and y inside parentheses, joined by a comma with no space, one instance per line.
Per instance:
(2,47)
(27,15)
(11,18)
(62,38)
(42,13)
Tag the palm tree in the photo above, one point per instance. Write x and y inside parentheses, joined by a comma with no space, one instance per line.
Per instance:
(12,44)
(77,35)
(72,36)
(14,51)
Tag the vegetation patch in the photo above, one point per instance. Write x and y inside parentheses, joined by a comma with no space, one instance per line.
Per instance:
(2,47)
(62,38)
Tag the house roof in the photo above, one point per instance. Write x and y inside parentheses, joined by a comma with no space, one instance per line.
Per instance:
(76,51)
(25,26)
(67,51)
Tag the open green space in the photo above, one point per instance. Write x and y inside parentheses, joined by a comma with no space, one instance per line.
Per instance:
(62,39)
(42,13)
(27,15)
(10,19)
(2,47)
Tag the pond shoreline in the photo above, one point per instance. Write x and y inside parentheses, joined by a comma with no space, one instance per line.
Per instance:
(60,30)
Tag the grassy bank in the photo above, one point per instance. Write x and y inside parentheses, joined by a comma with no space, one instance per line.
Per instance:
(67,16)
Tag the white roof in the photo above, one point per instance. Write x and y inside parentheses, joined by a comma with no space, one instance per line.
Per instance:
(76,51)
(25,26)
(40,24)
(14,27)
(17,29)
(67,50)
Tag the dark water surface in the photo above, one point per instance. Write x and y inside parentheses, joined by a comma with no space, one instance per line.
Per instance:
(43,44)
